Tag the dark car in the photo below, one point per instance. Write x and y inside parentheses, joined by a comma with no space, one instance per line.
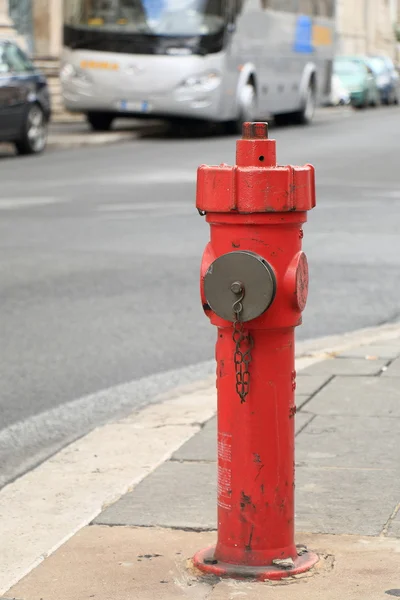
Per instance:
(25,107)
(387,78)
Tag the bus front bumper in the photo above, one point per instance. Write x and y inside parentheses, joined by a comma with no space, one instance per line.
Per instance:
(178,103)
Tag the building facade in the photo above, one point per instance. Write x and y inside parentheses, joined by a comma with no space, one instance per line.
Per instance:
(367,26)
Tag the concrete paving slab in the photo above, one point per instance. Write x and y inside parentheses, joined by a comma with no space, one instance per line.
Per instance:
(381,351)
(360,442)
(393,369)
(351,569)
(358,396)
(302,421)
(124,563)
(177,494)
(335,477)
(309,384)
(203,446)
(394,528)
(344,501)
(118,563)
(346,366)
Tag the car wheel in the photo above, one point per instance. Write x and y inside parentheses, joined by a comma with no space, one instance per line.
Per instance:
(100,121)
(248,109)
(34,135)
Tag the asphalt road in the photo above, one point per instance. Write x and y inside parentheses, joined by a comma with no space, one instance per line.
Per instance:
(100,251)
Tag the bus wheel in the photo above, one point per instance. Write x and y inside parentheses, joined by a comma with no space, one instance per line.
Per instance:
(100,121)
(248,109)
(306,114)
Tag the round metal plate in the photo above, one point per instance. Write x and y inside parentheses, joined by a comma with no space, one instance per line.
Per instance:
(253,272)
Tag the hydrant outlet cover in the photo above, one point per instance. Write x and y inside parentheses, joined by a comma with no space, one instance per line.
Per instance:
(256,277)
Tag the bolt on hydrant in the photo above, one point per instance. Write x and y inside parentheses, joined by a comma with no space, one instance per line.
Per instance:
(254,285)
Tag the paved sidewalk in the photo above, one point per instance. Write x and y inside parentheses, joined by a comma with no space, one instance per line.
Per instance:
(347,497)
(78,134)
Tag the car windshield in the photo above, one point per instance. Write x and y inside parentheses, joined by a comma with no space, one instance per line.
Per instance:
(4,68)
(348,67)
(158,17)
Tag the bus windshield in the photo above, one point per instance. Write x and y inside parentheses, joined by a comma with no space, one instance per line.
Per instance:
(155,17)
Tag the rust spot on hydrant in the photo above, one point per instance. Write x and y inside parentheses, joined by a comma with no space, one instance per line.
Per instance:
(294,385)
(244,500)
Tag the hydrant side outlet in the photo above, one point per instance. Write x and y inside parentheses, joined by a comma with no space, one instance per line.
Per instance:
(254,286)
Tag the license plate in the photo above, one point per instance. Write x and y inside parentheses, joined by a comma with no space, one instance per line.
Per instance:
(127,106)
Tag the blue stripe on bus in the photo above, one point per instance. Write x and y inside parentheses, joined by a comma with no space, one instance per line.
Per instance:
(154,8)
(304,35)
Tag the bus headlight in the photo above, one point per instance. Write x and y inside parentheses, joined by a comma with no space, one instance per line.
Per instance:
(205,82)
(71,73)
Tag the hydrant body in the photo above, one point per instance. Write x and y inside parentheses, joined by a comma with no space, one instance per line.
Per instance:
(254,284)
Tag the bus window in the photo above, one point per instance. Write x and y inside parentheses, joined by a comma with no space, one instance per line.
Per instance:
(324,8)
(279,5)
(163,17)
(306,7)
(317,8)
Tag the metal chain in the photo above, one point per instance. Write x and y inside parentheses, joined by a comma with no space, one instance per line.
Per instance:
(243,346)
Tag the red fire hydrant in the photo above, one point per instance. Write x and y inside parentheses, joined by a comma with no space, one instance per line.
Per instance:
(254,285)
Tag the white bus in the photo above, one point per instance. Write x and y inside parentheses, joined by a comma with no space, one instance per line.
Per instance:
(209,60)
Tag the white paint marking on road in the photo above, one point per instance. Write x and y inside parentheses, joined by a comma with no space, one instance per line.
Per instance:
(366,186)
(43,509)
(145,206)
(157,177)
(381,193)
(20,203)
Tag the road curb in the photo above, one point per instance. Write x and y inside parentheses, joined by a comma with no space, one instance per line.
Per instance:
(329,346)
(75,141)
(80,139)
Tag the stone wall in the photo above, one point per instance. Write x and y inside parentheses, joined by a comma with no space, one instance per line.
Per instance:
(365,27)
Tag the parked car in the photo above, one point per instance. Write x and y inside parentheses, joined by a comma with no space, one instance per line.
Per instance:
(25,107)
(359,79)
(387,78)
(339,93)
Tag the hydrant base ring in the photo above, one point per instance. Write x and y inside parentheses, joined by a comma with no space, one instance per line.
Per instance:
(205,562)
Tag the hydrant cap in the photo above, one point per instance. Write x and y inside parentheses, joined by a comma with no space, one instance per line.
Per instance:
(255,131)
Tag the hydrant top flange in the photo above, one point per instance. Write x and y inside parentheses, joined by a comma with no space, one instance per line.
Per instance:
(252,272)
